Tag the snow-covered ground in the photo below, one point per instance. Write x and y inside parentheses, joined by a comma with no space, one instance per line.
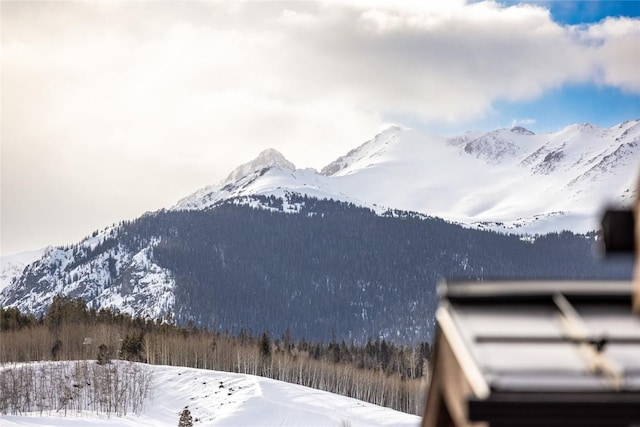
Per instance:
(226,399)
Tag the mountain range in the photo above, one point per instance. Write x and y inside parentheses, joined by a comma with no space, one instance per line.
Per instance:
(355,250)
(507,180)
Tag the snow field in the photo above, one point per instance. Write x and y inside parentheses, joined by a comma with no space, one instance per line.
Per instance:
(227,399)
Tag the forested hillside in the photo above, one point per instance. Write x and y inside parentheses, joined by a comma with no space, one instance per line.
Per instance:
(330,271)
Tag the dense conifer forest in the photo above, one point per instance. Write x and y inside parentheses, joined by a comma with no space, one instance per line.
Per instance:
(336,270)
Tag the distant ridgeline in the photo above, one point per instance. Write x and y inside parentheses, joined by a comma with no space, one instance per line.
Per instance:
(330,271)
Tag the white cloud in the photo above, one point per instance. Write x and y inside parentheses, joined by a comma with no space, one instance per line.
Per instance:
(522,122)
(121,107)
(618,52)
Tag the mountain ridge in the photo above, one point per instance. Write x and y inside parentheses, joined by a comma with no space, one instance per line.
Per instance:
(542,182)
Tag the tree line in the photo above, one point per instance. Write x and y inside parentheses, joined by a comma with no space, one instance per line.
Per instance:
(379,372)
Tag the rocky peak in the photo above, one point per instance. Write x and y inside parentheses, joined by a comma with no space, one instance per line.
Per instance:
(267,159)
(521,131)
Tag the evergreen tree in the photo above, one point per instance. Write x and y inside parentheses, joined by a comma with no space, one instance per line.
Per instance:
(265,346)
(132,348)
(104,355)
(185,419)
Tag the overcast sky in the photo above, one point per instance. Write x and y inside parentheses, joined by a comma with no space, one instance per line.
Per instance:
(110,109)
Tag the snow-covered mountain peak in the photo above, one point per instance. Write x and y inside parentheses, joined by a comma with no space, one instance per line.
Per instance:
(521,130)
(496,146)
(586,126)
(372,148)
(267,159)
(583,129)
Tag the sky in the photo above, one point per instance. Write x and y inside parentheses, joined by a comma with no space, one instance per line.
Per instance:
(109,109)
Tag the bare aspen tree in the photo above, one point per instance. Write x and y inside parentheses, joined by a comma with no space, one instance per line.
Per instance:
(378,372)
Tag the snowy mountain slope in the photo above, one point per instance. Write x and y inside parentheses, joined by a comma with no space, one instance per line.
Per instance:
(12,266)
(365,155)
(88,270)
(227,399)
(508,176)
(507,179)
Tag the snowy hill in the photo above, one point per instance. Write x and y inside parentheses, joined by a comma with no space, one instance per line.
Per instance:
(507,179)
(227,399)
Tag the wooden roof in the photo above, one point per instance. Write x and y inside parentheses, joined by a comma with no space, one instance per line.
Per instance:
(535,353)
